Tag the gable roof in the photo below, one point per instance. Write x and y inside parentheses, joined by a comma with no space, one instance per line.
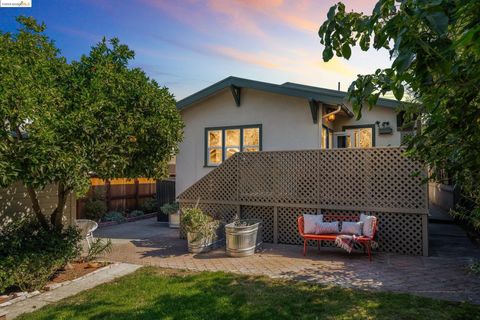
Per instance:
(323,95)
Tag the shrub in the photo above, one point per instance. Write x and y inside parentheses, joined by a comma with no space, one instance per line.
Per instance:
(95,209)
(136,213)
(98,247)
(169,208)
(196,221)
(98,193)
(113,216)
(30,255)
(150,206)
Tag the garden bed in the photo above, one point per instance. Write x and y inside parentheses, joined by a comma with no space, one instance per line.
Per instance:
(78,270)
(130,219)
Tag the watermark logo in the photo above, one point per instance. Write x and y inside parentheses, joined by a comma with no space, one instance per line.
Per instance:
(15,3)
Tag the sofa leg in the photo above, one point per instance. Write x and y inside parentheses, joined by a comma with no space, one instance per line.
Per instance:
(319,244)
(304,247)
(369,250)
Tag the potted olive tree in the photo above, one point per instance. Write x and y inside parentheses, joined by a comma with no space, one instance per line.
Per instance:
(201,229)
(173,213)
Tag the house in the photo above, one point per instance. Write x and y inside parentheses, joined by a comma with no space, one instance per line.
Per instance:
(239,114)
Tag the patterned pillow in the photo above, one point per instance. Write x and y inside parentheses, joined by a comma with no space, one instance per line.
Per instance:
(309,222)
(368,222)
(327,227)
(355,228)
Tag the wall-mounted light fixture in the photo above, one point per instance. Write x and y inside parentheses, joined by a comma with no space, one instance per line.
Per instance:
(384,128)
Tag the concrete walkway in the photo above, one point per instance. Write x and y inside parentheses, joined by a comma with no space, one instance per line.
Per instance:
(442,275)
(36,302)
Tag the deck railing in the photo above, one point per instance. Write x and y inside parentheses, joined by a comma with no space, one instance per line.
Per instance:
(277,186)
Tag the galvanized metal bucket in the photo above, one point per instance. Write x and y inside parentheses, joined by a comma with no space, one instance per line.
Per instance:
(198,244)
(243,237)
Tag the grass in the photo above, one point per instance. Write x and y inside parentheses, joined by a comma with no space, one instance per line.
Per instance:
(154,293)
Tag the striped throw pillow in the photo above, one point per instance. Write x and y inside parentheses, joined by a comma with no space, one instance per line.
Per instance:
(327,227)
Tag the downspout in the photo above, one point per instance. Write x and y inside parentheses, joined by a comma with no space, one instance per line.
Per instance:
(333,112)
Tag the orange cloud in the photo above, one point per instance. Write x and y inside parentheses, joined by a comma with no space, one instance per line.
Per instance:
(243,56)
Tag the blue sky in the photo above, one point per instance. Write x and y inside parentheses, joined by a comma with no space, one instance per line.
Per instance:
(190,44)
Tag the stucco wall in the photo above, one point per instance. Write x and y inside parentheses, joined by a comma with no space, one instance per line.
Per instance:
(286,125)
(377,113)
(15,203)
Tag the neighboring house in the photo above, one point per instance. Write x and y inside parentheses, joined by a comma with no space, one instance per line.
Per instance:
(238,114)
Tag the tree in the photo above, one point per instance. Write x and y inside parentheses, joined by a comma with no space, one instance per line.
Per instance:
(62,122)
(435,52)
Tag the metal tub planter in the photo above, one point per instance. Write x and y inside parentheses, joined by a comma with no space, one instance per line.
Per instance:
(243,237)
(198,243)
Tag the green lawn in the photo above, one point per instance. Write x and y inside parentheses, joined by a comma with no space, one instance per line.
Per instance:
(154,293)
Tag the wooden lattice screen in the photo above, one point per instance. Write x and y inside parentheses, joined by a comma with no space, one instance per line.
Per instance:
(277,186)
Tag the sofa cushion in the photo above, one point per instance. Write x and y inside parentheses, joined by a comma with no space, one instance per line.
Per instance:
(368,222)
(309,222)
(327,227)
(355,228)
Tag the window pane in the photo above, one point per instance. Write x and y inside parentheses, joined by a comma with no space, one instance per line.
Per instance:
(251,136)
(251,149)
(365,138)
(215,156)
(232,138)
(231,151)
(215,138)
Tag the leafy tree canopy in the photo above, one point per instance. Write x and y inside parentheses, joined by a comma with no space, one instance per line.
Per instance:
(64,121)
(434,47)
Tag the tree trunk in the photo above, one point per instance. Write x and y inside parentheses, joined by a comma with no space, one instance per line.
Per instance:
(57,214)
(36,207)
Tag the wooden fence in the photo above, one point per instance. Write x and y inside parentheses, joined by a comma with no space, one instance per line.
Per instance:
(120,194)
(277,186)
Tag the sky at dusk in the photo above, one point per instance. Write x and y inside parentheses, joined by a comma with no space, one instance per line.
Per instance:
(190,44)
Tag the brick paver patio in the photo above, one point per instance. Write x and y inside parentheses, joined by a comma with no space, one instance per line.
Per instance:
(442,277)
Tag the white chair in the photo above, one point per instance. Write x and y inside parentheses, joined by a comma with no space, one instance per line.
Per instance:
(86,228)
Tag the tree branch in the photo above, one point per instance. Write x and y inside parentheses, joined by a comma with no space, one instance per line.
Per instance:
(57,214)
(36,207)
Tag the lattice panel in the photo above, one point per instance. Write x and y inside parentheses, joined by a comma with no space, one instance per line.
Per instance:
(256,177)
(296,177)
(400,233)
(219,184)
(263,213)
(391,183)
(378,178)
(287,224)
(343,178)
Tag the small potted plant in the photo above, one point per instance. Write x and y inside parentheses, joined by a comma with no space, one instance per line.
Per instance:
(201,229)
(173,212)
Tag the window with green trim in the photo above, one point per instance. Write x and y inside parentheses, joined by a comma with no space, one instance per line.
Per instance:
(223,142)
